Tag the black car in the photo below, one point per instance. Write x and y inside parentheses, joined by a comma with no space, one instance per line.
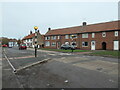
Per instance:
(66,46)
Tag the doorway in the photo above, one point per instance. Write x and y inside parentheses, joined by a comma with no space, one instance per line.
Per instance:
(92,45)
(104,46)
(116,45)
(58,45)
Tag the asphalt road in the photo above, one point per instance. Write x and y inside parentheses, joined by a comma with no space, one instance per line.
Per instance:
(62,70)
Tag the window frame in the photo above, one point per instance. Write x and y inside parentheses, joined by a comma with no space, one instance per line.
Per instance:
(93,35)
(84,44)
(52,44)
(67,36)
(47,38)
(58,37)
(47,43)
(103,34)
(84,35)
(116,35)
(53,37)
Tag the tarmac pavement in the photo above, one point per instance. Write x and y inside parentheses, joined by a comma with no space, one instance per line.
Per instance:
(63,70)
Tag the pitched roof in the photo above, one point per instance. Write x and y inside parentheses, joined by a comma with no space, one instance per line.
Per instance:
(12,40)
(29,36)
(106,26)
(43,36)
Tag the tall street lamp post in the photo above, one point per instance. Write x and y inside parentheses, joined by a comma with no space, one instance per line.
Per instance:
(35,40)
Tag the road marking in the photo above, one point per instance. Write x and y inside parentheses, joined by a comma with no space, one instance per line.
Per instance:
(52,54)
(21,57)
(64,54)
(14,70)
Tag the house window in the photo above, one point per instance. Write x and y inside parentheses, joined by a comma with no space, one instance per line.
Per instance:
(29,40)
(75,36)
(58,37)
(66,36)
(116,33)
(85,35)
(31,44)
(84,44)
(27,44)
(103,34)
(47,43)
(47,38)
(93,35)
(53,37)
(53,44)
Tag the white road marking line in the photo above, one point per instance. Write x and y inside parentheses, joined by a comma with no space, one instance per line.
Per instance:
(22,57)
(52,54)
(10,63)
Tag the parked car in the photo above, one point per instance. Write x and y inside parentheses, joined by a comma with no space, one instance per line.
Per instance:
(22,46)
(66,46)
(4,45)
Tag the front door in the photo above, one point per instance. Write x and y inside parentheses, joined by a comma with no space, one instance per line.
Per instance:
(116,45)
(58,45)
(103,45)
(92,45)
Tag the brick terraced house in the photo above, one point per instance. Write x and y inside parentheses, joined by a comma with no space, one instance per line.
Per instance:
(29,40)
(100,36)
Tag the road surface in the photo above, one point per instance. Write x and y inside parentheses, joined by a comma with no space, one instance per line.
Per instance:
(62,70)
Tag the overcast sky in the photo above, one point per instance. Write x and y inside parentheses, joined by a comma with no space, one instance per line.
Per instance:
(18,18)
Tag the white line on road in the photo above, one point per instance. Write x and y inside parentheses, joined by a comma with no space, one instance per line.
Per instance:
(21,57)
(10,63)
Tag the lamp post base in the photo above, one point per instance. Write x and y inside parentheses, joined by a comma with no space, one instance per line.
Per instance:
(35,51)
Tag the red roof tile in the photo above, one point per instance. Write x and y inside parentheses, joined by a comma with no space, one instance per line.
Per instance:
(29,36)
(107,26)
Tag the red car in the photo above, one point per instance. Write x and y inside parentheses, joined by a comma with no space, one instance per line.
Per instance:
(22,46)
(4,45)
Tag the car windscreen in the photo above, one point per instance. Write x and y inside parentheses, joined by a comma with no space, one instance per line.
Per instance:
(23,45)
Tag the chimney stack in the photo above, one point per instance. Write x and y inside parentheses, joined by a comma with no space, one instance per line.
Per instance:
(49,29)
(84,23)
(30,32)
(38,31)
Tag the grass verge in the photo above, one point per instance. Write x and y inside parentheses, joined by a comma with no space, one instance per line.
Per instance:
(106,53)
(115,54)
(61,50)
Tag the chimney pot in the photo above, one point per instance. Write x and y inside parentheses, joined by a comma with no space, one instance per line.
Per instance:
(30,32)
(38,31)
(84,23)
(49,29)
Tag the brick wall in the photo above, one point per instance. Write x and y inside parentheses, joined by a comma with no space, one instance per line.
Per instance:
(109,40)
